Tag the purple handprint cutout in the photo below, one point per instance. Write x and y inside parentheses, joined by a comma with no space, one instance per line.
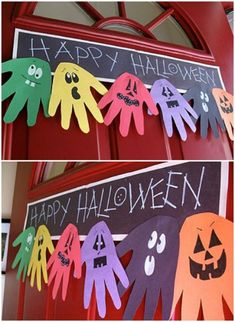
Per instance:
(173,107)
(99,253)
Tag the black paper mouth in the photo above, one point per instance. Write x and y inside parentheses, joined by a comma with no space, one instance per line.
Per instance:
(128,101)
(100,261)
(75,93)
(210,271)
(172,104)
(64,261)
(227,110)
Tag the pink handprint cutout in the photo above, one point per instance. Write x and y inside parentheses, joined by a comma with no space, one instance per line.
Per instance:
(65,254)
(127,96)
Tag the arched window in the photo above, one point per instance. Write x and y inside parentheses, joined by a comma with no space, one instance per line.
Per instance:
(142,19)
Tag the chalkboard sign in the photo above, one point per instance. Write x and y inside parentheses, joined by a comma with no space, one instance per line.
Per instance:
(107,62)
(125,201)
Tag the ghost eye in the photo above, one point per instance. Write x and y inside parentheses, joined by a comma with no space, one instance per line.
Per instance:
(75,77)
(161,244)
(96,243)
(152,240)
(129,85)
(31,70)
(206,98)
(38,73)
(202,95)
(102,244)
(68,78)
(135,88)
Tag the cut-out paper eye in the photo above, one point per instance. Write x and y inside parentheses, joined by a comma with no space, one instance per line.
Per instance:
(30,83)
(224,102)
(26,241)
(151,270)
(205,106)
(66,253)
(38,262)
(205,267)
(175,109)
(71,90)
(99,254)
(127,96)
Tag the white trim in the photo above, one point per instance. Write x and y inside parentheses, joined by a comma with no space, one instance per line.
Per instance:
(223,188)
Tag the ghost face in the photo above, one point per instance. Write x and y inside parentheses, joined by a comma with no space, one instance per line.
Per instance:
(29,241)
(156,245)
(205,100)
(170,96)
(40,246)
(71,80)
(129,93)
(64,254)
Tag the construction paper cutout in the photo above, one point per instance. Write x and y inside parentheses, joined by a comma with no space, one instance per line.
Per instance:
(71,90)
(26,241)
(205,267)
(224,101)
(66,253)
(30,83)
(38,262)
(174,108)
(99,254)
(205,106)
(155,245)
(127,96)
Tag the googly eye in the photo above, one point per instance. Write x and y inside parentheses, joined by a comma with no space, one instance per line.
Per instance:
(206,98)
(202,95)
(75,77)
(152,240)
(31,70)
(68,78)
(38,73)
(161,244)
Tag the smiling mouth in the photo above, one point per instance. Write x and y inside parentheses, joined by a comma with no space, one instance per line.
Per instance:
(100,261)
(29,83)
(172,104)
(213,270)
(227,109)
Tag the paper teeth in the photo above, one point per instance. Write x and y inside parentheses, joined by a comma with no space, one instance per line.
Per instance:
(32,84)
(27,82)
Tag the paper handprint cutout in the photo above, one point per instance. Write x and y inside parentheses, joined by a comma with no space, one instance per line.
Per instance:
(205,106)
(38,262)
(26,241)
(30,83)
(224,101)
(99,254)
(66,253)
(174,108)
(151,270)
(127,96)
(204,275)
(71,90)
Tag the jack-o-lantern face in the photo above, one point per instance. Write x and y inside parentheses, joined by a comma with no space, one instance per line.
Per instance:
(129,94)
(208,261)
(225,104)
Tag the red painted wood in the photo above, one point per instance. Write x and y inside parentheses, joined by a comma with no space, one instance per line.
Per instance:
(157,21)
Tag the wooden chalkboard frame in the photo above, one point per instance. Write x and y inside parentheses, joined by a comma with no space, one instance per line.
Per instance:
(221,197)
(145,65)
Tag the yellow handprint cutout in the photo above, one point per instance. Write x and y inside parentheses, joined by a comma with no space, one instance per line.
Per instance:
(38,262)
(72,90)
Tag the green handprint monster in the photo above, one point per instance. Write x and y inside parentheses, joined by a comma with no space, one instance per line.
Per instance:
(30,83)
(26,241)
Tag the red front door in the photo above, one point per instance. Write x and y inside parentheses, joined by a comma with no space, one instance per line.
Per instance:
(47,140)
